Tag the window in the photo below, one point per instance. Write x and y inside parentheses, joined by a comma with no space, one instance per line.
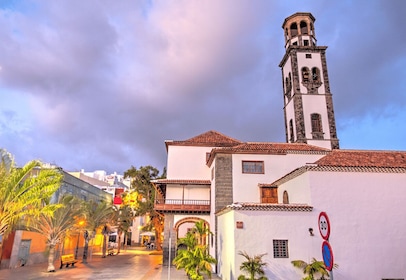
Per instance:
(305,74)
(315,74)
(254,167)
(293,29)
(317,130)
(292,136)
(280,248)
(308,55)
(303,28)
(269,195)
(285,197)
(305,43)
(316,123)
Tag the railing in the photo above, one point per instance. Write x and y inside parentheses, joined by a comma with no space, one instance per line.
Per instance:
(182,205)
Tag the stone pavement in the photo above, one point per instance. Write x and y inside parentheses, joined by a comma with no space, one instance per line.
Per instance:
(133,263)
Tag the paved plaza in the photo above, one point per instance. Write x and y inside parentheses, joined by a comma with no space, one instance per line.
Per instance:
(134,263)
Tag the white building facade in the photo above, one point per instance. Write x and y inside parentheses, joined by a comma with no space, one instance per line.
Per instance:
(266,198)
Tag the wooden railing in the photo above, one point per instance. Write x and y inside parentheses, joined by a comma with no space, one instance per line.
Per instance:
(182,205)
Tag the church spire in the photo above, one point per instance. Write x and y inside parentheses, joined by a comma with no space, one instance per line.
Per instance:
(308,103)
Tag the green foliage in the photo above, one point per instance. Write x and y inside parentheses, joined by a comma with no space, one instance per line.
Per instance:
(62,223)
(141,197)
(23,192)
(195,258)
(252,266)
(141,184)
(312,269)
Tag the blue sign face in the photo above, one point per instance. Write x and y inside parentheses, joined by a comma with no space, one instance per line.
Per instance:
(327,255)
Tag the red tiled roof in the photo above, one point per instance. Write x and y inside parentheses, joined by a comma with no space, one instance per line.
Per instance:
(266,207)
(268,148)
(274,147)
(359,158)
(182,181)
(210,138)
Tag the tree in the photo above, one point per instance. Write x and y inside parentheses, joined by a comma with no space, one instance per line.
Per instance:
(60,225)
(143,190)
(23,192)
(98,216)
(252,266)
(194,257)
(123,218)
(311,269)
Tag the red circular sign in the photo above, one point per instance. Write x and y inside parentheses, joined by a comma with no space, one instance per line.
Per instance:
(324,225)
(327,255)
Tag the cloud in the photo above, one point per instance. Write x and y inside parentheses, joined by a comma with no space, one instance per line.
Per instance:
(102,84)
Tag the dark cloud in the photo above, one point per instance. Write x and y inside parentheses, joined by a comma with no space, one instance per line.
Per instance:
(102,84)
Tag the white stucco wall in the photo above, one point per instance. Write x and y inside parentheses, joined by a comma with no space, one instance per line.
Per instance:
(187,162)
(367,216)
(226,246)
(188,192)
(245,186)
(315,61)
(260,229)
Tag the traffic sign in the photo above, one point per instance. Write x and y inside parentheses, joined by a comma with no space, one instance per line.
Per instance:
(327,255)
(324,225)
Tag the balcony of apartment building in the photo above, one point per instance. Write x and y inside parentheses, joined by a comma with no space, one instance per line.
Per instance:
(182,196)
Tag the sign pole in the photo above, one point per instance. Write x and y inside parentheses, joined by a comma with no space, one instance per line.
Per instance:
(170,249)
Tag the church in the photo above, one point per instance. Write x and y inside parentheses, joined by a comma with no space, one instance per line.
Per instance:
(298,200)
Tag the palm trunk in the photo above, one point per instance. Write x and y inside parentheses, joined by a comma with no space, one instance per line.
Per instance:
(104,250)
(86,247)
(118,242)
(51,257)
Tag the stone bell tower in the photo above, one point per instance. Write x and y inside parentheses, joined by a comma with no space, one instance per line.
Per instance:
(308,103)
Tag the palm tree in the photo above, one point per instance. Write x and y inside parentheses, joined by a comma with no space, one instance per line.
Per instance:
(195,258)
(123,219)
(252,266)
(202,231)
(55,228)
(98,215)
(23,191)
(312,269)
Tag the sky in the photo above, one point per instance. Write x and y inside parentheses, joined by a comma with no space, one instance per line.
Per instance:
(101,84)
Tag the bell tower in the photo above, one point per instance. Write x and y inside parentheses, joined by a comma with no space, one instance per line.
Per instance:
(308,103)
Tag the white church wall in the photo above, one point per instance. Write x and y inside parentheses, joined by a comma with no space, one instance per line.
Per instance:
(187,162)
(315,104)
(259,230)
(309,63)
(227,250)
(245,186)
(368,225)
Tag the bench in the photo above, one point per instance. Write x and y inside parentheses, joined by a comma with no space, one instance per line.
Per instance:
(67,260)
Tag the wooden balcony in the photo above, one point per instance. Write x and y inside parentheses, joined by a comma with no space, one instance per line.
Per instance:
(182,205)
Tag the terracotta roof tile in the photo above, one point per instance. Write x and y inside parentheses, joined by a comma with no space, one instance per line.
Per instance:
(359,158)
(208,139)
(266,207)
(181,181)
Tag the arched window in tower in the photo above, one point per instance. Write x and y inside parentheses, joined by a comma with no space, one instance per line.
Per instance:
(288,85)
(317,129)
(305,74)
(315,74)
(292,136)
(311,29)
(285,197)
(303,28)
(293,29)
